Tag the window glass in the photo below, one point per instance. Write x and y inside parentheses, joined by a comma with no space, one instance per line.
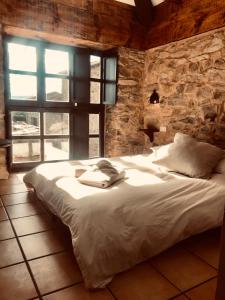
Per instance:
(23,87)
(57,89)
(25,123)
(110,68)
(110,93)
(22,57)
(93,123)
(56,62)
(26,150)
(95,62)
(95,92)
(56,149)
(56,123)
(94,148)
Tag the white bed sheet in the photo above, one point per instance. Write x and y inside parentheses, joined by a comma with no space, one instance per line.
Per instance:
(113,229)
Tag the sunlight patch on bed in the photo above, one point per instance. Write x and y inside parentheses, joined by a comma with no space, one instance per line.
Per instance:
(78,190)
(52,171)
(140,161)
(138,178)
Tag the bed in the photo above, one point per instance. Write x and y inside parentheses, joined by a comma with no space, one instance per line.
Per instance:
(113,229)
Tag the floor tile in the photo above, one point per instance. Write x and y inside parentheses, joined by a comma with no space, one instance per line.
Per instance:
(6,231)
(143,283)
(78,292)
(29,225)
(205,291)
(16,283)
(10,253)
(23,210)
(3,215)
(10,181)
(207,247)
(55,271)
(41,244)
(11,189)
(182,268)
(18,198)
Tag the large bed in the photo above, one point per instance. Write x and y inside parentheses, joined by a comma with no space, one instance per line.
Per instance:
(138,217)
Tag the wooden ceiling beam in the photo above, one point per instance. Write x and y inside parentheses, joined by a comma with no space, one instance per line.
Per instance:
(144,10)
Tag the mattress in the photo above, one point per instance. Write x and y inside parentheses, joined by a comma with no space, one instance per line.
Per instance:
(113,229)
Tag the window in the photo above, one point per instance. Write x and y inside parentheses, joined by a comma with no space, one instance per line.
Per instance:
(55,101)
(110,77)
(94,135)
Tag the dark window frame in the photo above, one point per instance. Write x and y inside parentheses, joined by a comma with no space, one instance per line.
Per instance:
(41,105)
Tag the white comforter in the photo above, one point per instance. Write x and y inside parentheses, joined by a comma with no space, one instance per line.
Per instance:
(116,228)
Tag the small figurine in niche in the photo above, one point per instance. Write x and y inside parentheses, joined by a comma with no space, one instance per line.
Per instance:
(154,98)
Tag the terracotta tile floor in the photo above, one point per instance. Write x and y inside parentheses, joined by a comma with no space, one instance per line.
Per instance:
(37,260)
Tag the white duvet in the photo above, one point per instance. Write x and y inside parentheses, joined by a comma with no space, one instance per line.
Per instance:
(135,219)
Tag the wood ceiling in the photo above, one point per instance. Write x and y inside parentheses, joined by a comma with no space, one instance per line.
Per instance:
(144,9)
(175,20)
(131,2)
(104,24)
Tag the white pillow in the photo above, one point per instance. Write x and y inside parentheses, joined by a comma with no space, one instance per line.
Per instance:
(182,137)
(159,152)
(191,158)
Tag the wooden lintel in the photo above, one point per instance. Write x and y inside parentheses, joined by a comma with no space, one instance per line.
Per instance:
(54,38)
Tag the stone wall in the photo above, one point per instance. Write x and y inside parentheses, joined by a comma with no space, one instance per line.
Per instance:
(3,170)
(123,120)
(189,76)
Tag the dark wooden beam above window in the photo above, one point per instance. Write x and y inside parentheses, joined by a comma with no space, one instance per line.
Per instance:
(144,10)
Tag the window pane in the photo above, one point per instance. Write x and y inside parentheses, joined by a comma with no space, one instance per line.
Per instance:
(94,124)
(56,149)
(57,89)
(95,92)
(26,151)
(110,68)
(56,62)
(110,93)
(21,57)
(95,66)
(25,123)
(94,147)
(56,123)
(23,87)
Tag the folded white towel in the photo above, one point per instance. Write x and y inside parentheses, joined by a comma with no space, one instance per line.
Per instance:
(102,175)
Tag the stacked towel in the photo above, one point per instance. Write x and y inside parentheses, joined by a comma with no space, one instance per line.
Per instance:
(101,175)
